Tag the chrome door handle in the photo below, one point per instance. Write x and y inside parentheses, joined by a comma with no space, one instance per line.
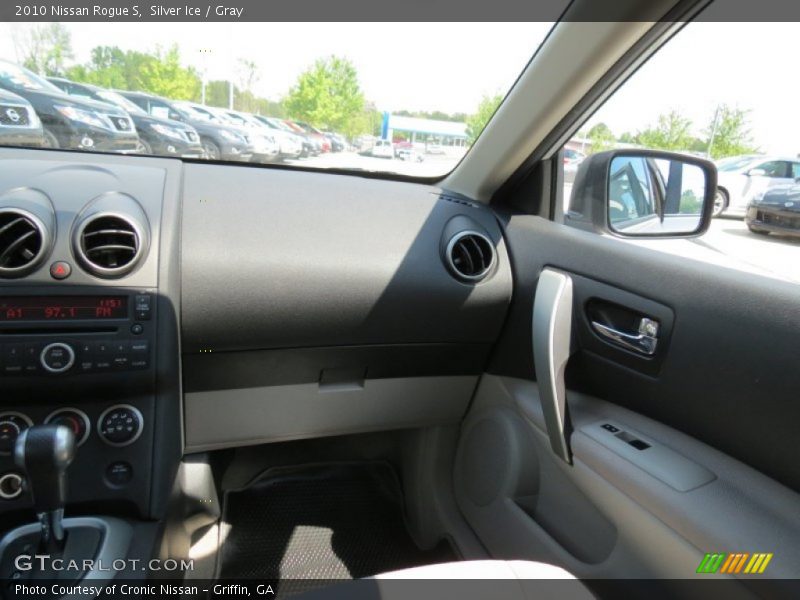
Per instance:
(643,342)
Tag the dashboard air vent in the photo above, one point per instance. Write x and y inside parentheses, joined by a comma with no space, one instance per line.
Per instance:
(470,255)
(22,242)
(109,245)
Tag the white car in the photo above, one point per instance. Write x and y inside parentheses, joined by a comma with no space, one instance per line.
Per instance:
(742,178)
(289,145)
(382,149)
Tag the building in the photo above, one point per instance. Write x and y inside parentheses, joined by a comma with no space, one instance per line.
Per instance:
(444,133)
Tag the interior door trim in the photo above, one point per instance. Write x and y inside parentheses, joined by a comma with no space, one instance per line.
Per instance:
(552,336)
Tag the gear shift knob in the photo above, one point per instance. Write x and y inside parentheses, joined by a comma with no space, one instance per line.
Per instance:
(44,452)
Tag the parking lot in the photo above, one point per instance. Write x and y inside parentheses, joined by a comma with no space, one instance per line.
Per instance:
(729,243)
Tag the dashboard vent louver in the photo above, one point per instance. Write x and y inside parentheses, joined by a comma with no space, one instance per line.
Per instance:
(22,242)
(470,255)
(109,245)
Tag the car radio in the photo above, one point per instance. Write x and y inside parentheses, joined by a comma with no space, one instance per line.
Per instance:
(75,333)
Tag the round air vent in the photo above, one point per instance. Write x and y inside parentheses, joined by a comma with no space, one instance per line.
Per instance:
(470,255)
(23,242)
(108,245)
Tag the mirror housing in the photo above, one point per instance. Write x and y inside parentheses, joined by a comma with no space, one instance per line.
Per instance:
(600,203)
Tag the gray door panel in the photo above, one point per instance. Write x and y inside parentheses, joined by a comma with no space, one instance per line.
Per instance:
(606,516)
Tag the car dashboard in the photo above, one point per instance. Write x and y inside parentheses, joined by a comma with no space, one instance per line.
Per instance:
(161,308)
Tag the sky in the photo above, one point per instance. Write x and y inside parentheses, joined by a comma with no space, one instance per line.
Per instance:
(411,66)
(450,66)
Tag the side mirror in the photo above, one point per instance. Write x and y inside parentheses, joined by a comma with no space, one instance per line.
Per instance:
(643,193)
(756,173)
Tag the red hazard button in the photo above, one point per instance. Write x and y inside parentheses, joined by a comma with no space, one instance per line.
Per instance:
(60,270)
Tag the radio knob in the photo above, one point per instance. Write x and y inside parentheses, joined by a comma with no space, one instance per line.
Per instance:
(58,357)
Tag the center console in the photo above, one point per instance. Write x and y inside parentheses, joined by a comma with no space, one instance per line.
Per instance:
(84,358)
(88,328)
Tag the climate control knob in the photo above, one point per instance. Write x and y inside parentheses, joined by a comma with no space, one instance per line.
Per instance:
(120,425)
(11,425)
(57,357)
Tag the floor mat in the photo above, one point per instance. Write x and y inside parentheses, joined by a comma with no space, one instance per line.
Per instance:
(320,522)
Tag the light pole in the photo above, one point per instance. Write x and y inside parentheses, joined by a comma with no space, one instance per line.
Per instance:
(713,133)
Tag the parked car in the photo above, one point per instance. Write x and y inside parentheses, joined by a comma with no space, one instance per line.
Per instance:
(434,148)
(69,122)
(775,211)
(19,125)
(219,141)
(158,136)
(312,144)
(338,143)
(264,147)
(288,144)
(292,144)
(325,143)
(382,149)
(741,178)
(572,160)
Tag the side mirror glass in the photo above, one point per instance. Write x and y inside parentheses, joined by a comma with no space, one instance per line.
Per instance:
(648,195)
(643,193)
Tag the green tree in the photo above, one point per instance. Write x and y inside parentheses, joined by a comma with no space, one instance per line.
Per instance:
(670,133)
(731,135)
(163,75)
(159,73)
(476,122)
(601,137)
(45,49)
(328,95)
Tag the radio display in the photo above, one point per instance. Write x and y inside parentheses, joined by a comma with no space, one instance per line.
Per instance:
(62,308)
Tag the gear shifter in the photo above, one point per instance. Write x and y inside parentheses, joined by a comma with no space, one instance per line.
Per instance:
(44,452)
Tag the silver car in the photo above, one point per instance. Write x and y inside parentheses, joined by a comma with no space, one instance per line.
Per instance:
(741,178)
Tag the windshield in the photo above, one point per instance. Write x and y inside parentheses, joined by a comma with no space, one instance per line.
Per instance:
(121,101)
(15,77)
(735,163)
(424,90)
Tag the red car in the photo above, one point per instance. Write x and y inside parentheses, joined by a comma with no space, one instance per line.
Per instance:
(315,133)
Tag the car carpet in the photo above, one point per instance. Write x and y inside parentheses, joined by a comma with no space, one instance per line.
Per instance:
(319,522)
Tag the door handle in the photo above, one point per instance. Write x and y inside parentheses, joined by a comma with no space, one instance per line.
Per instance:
(644,341)
(552,335)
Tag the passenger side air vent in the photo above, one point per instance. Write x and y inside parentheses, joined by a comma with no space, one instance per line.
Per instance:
(109,245)
(470,255)
(23,242)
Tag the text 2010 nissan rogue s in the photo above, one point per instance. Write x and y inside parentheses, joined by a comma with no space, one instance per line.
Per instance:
(70,122)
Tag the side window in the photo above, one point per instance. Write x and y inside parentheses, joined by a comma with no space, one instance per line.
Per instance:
(159,109)
(775,168)
(704,111)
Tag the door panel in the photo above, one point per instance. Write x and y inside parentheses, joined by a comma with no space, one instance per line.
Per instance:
(728,371)
(604,516)
(685,451)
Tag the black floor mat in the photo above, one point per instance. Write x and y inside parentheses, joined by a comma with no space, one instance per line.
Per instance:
(320,522)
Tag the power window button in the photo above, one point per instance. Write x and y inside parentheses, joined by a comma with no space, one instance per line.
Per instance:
(610,427)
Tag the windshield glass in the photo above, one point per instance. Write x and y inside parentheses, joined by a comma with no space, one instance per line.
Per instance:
(121,101)
(735,163)
(15,77)
(425,90)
